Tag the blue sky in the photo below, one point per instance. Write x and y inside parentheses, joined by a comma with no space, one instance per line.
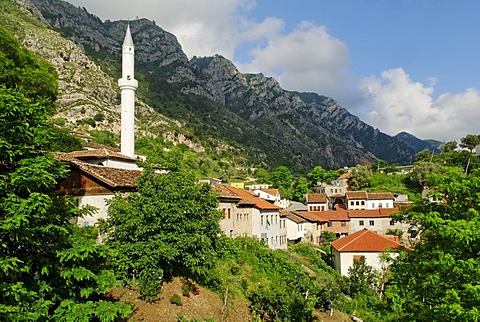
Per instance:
(405,65)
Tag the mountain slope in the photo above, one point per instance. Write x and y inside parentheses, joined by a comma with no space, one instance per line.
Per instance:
(216,102)
(417,144)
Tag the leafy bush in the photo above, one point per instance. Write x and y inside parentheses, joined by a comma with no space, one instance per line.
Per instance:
(175,299)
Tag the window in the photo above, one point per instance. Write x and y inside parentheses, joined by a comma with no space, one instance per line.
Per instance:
(371,222)
(352,203)
(392,222)
(363,202)
(357,258)
(329,224)
(261,220)
(357,203)
(229,213)
(380,205)
(361,223)
(344,223)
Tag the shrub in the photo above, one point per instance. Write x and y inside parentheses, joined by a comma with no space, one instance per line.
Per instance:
(175,299)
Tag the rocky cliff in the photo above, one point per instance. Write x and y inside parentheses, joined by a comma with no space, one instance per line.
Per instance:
(214,100)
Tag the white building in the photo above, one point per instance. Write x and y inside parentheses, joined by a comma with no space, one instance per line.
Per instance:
(363,243)
(247,215)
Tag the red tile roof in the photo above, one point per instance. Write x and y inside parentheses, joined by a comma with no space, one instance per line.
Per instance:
(356,194)
(317,198)
(247,197)
(325,216)
(271,191)
(364,241)
(379,195)
(293,217)
(373,213)
(346,175)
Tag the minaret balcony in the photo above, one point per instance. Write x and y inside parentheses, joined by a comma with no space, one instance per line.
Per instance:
(126,83)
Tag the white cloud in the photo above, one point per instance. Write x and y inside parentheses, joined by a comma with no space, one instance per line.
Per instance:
(306,59)
(400,104)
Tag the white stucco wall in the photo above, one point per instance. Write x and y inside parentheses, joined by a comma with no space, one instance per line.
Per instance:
(294,230)
(375,204)
(380,225)
(360,206)
(239,223)
(344,260)
(97,201)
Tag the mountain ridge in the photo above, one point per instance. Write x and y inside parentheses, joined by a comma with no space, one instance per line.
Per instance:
(271,125)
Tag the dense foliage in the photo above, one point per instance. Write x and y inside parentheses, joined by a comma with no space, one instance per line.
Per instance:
(168,228)
(439,280)
(49,268)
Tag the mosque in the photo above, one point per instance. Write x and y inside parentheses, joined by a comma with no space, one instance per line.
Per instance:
(99,172)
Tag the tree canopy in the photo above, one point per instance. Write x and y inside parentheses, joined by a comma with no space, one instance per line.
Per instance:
(168,228)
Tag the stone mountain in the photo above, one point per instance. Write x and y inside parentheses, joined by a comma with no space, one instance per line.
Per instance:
(251,112)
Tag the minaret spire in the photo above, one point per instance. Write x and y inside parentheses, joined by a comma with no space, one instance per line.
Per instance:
(128,85)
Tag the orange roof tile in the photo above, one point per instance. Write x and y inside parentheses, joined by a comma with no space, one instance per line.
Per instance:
(293,217)
(379,195)
(324,216)
(364,241)
(356,194)
(317,198)
(271,191)
(346,175)
(372,213)
(248,197)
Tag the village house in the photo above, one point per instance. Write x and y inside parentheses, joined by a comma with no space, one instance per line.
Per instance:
(94,185)
(334,221)
(360,200)
(273,196)
(363,243)
(247,215)
(297,227)
(317,202)
(378,220)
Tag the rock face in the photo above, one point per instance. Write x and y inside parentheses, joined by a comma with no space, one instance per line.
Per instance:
(251,112)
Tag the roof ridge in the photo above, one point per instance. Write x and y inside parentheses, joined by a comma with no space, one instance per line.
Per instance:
(362,232)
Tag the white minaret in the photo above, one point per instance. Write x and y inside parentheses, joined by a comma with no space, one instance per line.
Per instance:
(128,85)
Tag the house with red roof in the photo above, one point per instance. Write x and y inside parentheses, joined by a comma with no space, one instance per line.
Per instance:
(273,196)
(364,243)
(334,221)
(317,202)
(297,227)
(247,215)
(358,200)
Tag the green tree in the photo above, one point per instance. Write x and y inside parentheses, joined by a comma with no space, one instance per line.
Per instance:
(168,228)
(379,164)
(64,141)
(300,189)
(282,179)
(440,279)
(470,141)
(449,146)
(49,268)
(360,177)
(423,155)
(421,175)
(24,71)
(362,277)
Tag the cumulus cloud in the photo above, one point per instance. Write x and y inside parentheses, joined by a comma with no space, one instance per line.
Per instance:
(397,103)
(306,59)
